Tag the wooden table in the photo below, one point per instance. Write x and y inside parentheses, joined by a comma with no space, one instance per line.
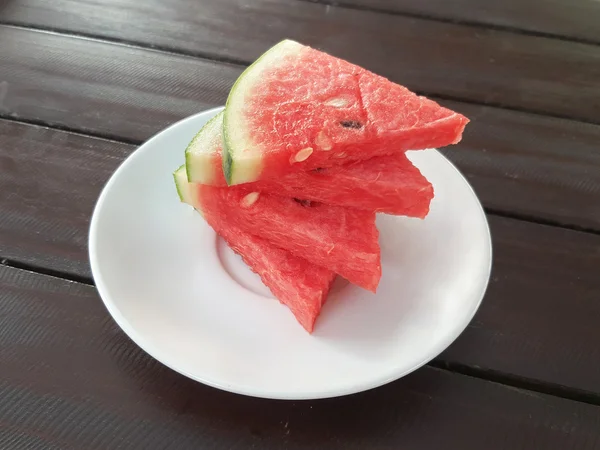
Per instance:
(84,82)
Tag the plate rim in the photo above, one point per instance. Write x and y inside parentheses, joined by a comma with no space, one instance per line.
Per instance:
(139,340)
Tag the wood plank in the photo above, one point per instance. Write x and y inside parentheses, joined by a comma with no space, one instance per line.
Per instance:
(109,89)
(71,379)
(542,297)
(481,65)
(530,165)
(49,183)
(575,19)
(539,319)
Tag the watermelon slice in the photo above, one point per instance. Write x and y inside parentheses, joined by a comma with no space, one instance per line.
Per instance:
(297,109)
(390,184)
(298,284)
(344,240)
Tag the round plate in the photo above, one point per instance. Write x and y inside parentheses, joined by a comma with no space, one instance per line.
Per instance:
(185,298)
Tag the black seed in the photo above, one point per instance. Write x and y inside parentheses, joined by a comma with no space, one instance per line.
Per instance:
(319,169)
(351,124)
(303,202)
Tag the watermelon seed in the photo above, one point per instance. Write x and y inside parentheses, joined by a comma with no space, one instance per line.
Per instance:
(340,155)
(337,102)
(303,154)
(351,124)
(303,202)
(319,169)
(250,199)
(323,141)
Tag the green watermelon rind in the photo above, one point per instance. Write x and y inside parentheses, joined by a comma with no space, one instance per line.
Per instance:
(239,170)
(189,156)
(183,186)
(199,154)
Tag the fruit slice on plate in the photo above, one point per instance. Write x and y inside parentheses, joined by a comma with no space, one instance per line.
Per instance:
(344,240)
(390,184)
(298,284)
(297,109)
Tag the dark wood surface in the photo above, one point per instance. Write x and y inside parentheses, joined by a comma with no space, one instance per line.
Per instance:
(50,181)
(104,88)
(577,20)
(103,392)
(82,83)
(475,64)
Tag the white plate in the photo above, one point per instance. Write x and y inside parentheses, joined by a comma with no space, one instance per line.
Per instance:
(187,300)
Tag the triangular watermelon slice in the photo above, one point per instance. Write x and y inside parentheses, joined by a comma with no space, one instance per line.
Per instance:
(297,109)
(343,240)
(298,284)
(390,184)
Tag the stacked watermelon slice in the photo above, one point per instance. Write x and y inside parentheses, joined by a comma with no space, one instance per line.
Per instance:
(292,173)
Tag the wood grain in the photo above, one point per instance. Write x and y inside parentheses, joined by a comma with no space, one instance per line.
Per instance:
(462,62)
(49,183)
(71,380)
(539,315)
(575,20)
(108,89)
(532,166)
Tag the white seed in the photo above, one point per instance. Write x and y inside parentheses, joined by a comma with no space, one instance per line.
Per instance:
(303,154)
(340,155)
(338,102)
(323,141)
(250,199)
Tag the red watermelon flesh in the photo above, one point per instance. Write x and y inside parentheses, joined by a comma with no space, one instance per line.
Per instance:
(301,286)
(390,184)
(343,240)
(298,284)
(387,184)
(298,109)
